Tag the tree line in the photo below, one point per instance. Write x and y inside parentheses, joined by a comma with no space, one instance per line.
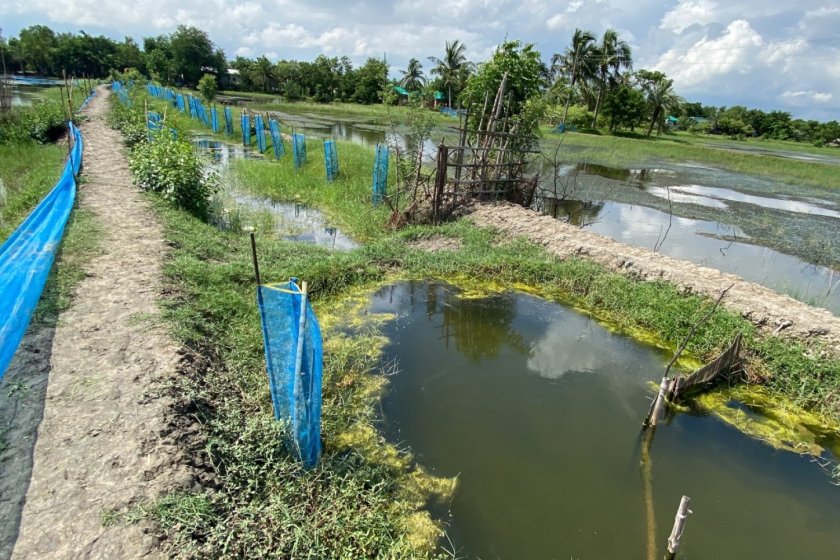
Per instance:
(590,85)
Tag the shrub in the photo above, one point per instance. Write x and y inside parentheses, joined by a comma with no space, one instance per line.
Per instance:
(44,122)
(171,167)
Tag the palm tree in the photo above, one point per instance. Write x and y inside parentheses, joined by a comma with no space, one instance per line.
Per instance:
(413,77)
(612,55)
(661,97)
(576,63)
(453,68)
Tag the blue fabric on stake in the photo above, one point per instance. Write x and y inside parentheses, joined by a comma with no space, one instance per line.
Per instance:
(276,138)
(380,174)
(294,360)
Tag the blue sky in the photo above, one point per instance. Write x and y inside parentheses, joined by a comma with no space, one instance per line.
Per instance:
(758,53)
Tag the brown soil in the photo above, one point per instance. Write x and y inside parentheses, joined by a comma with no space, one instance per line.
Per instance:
(105,443)
(770,311)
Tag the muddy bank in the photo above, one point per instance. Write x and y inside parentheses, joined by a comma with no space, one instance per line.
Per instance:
(767,309)
(106,442)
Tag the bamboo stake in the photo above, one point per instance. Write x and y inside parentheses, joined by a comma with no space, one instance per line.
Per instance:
(679,526)
(254,258)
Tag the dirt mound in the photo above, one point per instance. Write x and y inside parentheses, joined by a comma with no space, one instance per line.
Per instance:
(767,309)
(106,441)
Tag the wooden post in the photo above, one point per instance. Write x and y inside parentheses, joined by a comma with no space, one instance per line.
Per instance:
(679,527)
(440,180)
(658,403)
(254,258)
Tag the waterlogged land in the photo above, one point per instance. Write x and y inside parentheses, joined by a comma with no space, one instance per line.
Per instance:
(528,354)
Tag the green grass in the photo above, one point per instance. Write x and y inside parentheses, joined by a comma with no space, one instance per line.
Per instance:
(28,171)
(624,152)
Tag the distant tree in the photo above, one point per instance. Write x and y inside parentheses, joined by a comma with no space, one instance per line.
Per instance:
(37,45)
(371,80)
(413,78)
(208,87)
(625,106)
(157,52)
(262,74)
(612,55)
(453,68)
(194,54)
(577,64)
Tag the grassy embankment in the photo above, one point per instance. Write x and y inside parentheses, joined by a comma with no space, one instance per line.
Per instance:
(29,170)
(365,500)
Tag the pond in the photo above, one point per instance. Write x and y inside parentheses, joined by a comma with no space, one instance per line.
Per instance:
(537,410)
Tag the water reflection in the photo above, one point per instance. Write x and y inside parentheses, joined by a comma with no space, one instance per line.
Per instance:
(542,434)
(235,209)
(706,243)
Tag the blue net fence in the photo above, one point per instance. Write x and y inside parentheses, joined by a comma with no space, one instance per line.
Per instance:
(299,149)
(214,120)
(294,359)
(380,173)
(330,160)
(27,255)
(259,130)
(245,124)
(228,121)
(276,138)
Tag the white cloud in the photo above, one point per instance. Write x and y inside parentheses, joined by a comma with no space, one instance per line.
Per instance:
(706,62)
(800,98)
(688,13)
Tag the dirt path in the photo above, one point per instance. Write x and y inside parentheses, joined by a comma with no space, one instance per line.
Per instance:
(103,444)
(764,307)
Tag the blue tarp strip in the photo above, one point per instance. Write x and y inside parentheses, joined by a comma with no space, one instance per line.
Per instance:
(27,255)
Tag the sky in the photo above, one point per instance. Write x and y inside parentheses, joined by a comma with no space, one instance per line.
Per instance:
(759,53)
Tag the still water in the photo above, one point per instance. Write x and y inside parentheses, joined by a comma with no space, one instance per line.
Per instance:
(537,410)
(290,220)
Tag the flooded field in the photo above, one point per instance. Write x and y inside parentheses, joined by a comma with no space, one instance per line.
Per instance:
(759,230)
(238,210)
(537,410)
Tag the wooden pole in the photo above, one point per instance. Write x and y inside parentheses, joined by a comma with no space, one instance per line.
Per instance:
(679,527)
(440,179)
(254,258)
(658,403)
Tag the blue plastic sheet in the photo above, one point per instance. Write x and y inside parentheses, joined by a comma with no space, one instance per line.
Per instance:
(214,119)
(380,174)
(330,160)
(245,124)
(27,255)
(259,130)
(276,138)
(228,121)
(298,149)
(294,360)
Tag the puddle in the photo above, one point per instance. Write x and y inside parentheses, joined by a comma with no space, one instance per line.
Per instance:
(237,210)
(706,243)
(537,410)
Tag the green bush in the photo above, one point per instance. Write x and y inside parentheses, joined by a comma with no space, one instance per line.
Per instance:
(170,166)
(44,122)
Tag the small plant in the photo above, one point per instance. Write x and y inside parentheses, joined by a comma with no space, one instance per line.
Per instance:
(208,88)
(170,166)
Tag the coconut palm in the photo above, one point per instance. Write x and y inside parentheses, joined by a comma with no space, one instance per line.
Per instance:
(413,77)
(576,63)
(454,68)
(612,55)
(661,97)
